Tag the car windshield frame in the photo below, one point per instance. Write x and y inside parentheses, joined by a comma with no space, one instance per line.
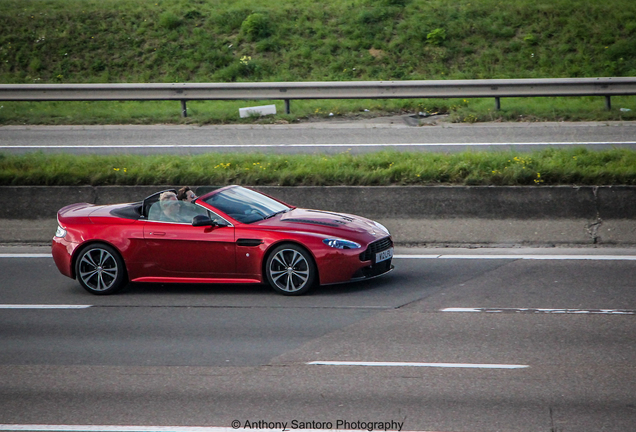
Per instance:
(245,205)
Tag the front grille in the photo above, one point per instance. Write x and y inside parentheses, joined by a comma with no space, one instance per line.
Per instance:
(375,247)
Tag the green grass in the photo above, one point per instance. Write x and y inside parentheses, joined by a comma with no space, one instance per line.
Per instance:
(94,41)
(299,40)
(224,112)
(547,167)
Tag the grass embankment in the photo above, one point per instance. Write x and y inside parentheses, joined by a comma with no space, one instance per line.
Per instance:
(548,167)
(84,41)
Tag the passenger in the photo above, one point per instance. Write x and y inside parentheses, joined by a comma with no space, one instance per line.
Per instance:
(186,194)
(169,207)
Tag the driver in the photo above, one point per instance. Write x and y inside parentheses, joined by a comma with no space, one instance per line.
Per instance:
(170,209)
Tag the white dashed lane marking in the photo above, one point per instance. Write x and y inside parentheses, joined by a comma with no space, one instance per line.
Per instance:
(544,311)
(25,255)
(123,428)
(42,306)
(413,364)
(525,257)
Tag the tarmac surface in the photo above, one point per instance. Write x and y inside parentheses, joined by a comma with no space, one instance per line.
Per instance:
(336,136)
(452,340)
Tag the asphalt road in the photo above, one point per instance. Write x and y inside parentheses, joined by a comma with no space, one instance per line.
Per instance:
(391,133)
(484,342)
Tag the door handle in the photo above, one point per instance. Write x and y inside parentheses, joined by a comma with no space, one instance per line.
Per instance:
(158,233)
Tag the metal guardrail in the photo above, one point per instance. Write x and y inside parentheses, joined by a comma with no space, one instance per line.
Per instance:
(287,91)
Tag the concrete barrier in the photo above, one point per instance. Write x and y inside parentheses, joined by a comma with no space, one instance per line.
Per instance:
(417,215)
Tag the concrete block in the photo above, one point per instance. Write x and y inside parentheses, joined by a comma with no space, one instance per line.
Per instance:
(257,110)
(502,232)
(522,202)
(435,215)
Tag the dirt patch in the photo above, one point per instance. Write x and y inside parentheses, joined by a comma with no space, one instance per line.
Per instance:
(377,53)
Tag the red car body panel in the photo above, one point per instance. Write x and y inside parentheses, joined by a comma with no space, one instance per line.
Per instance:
(156,251)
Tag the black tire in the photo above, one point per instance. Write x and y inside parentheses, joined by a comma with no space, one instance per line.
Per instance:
(100,270)
(290,270)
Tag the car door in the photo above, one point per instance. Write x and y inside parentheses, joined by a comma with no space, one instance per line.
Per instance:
(180,250)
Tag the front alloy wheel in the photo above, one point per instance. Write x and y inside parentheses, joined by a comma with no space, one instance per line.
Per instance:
(100,270)
(290,270)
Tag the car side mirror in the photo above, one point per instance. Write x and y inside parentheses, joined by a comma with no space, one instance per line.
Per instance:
(201,220)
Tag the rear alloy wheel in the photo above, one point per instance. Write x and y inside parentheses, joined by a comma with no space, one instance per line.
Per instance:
(290,270)
(100,270)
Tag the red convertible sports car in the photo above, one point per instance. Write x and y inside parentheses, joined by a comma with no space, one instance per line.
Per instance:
(229,235)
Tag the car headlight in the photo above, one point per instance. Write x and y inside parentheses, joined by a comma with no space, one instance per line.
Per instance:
(382,227)
(341,244)
(61,232)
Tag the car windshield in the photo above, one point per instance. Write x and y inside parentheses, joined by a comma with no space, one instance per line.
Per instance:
(245,205)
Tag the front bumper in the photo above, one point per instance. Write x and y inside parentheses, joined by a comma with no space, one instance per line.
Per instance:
(353,265)
(373,271)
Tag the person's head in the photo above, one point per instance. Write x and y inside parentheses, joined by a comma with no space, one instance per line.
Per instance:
(169,203)
(186,194)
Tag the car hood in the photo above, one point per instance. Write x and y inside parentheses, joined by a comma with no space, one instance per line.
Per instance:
(324,222)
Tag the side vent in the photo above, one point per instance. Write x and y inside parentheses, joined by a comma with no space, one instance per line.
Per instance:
(249,242)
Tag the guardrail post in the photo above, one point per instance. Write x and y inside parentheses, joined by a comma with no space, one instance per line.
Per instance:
(184,109)
(608,102)
(287,108)
(497,103)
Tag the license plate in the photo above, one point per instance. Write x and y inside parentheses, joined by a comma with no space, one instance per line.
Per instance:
(384,255)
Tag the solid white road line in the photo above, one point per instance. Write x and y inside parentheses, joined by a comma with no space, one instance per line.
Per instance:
(412,364)
(525,257)
(544,311)
(436,256)
(338,145)
(43,306)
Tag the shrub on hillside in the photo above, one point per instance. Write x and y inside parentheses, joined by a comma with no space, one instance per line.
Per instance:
(169,20)
(256,27)
(436,37)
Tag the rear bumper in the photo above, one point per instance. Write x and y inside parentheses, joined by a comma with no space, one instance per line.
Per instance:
(62,252)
